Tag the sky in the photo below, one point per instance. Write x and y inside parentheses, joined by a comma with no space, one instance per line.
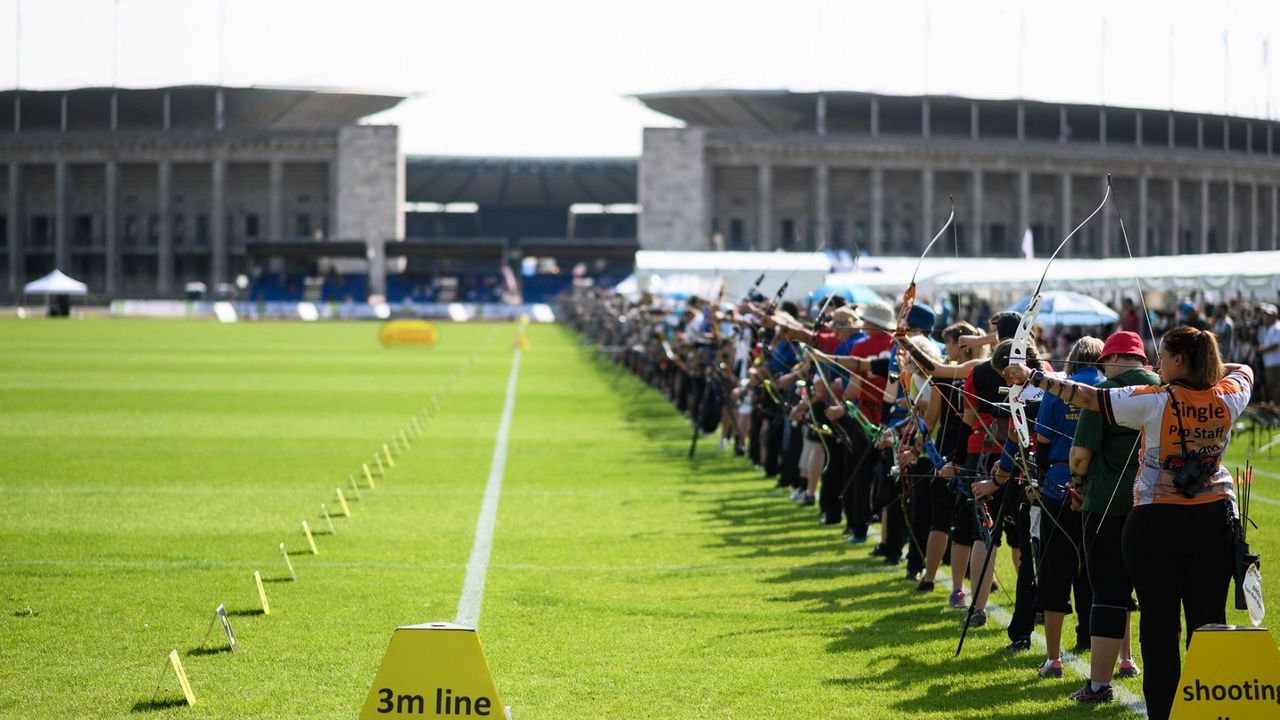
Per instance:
(554,77)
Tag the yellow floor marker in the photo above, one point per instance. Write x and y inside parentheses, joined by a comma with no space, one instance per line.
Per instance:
(328,520)
(288,563)
(262,592)
(342,503)
(1229,672)
(433,670)
(391,462)
(306,529)
(368,476)
(176,663)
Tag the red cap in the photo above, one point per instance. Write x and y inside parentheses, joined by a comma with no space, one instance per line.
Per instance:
(1124,342)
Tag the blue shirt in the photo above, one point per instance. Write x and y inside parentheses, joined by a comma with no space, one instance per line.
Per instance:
(844,348)
(783,357)
(1057,421)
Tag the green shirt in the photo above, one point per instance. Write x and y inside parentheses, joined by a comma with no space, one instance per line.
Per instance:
(1109,483)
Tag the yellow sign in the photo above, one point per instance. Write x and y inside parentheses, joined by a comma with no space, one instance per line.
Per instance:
(408,332)
(288,563)
(436,670)
(182,677)
(368,476)
(342,501)
(310,540)
(262,592)
(1230,672)
(391,461)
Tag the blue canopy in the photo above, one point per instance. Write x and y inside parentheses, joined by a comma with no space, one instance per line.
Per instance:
(1063,307)
(856,294)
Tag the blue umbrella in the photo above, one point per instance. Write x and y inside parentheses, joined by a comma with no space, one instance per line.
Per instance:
(856,294)
(1062,307)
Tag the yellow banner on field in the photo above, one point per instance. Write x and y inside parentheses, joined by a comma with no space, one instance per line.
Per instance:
(1229,672)
(435,670)
(408,332)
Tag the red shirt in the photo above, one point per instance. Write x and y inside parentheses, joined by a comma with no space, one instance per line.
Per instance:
(871,399)
(826,342)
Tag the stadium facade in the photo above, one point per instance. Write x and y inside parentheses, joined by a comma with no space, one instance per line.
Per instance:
(768,170)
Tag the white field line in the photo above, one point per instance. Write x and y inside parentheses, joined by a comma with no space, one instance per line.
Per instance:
(478,566)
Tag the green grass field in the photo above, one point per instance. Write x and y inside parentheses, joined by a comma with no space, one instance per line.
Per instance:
(147,468)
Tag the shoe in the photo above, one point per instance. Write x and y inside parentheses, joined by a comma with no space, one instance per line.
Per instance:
(879,550)
(797,495)
(856,540)
(1087,694)
(978,619)
(925,586)
(892,560)
(824,520)
(1019,645)
(808,500)
(1051,669)
(724,444)
(1128,669)
(913,574)
(958,600)
(994,586)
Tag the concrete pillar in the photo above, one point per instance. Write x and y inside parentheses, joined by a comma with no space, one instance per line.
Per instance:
(926,206)
(63,110)
(1024,206)
(14,228)
(764,201)
(1231,215)
(219,110)
(1226,136)
(17,112)
(926,119)
(1143,228)
(164,249)
(1172,126)
(111,228)
(1064,208)
(877,211)
(820,201)
(61,250)
(1175,221)
(218,223)
(820,113)
(1102,126)
(1253,216)
(974,130)
(1275,228)
(275,200)
(1064,131)
(1137,126)
(875,117)
(168,111)
(1204,215)
(1108,219)
(1022,122)
(376,251)
(978,238)
(1199,133)
(115,110)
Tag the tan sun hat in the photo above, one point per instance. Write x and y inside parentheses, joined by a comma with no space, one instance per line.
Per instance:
(878,315)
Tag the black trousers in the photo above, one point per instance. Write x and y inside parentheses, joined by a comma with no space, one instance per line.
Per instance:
(1061,571)
(891,501)
(789,463)
(857,493)
(773,443)
(921,507)
(1181,560)
(834,479)
(1108,576)
(1023,621)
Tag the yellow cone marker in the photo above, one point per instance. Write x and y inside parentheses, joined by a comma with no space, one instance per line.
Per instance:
(342,503)
(306,529)
(262,592)
(434,670)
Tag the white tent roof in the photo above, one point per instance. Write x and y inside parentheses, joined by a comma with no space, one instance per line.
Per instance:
(738,271)
(56,283)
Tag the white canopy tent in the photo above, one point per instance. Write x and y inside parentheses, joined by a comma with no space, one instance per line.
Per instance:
(55,283)
(737,270)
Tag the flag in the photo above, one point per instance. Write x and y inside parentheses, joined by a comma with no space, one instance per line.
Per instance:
(1028,246)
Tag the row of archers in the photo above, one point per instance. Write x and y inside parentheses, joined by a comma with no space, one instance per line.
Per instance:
(384,460)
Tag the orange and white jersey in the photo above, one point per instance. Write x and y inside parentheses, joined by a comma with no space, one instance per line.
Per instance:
(1207,419)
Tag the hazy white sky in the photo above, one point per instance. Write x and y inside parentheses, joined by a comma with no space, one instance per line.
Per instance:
(511,77)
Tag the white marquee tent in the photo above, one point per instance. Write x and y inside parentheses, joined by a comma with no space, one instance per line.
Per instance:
(55,283)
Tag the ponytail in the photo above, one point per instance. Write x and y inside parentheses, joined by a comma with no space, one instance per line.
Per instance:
(1199,349)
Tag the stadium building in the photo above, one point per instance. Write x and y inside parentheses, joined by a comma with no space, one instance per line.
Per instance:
(766,170)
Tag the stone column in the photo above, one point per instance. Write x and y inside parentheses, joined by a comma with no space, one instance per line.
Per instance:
(877,210)
(1064,207)
(218,223)
(1204,214)
(61,250)
(14,228)
(275,200)
(926,207)
(875,117)
(764,199)
(1108,218)
(1142,249)
(820,201)
(1175,222)
(1253,215)
(111,229)
(926,119)
(1275,206)
(1231,215)
(978,239)
(164,248)
(1024,206)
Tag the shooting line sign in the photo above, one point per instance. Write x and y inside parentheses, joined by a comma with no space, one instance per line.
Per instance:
(1229,672)
(433,670)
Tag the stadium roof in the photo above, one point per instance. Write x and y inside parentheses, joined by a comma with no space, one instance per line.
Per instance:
(787,111)
(520,181)
(193,106)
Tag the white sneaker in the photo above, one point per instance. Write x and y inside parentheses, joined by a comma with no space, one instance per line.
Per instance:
(797,495)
